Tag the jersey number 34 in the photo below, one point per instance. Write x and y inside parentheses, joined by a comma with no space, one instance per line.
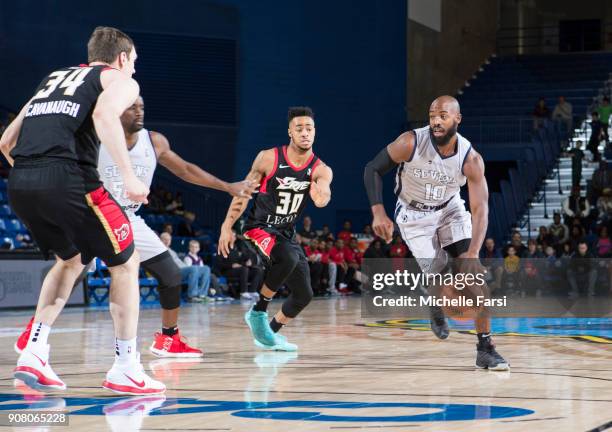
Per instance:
(66,79)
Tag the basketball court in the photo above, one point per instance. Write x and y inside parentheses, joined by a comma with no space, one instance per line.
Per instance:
(349,374)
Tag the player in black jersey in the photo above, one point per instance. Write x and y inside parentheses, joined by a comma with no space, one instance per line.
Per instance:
(287,174)
(54,189)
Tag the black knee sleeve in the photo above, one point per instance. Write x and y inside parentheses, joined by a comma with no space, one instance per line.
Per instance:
(297,301)
(284,259)
(301,290)
(457,248)
(168,275)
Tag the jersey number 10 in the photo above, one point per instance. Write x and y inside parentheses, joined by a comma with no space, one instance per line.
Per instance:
(289,203)
(434,193)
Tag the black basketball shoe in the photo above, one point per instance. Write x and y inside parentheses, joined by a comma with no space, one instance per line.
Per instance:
(439,325)
(488,358)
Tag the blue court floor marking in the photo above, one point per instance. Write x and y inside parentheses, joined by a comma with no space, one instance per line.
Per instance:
(281,410)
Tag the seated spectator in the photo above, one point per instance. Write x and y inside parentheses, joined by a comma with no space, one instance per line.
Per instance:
(558,230)
(552,272)
(532,250)
(188,228)
(353,258)
(582,271)
(398,249)
(531,268)
(604,205)
(336,256)
(315,262)
(240,265)
(199,281)
(193,276)
(577,156)
(375,250)
(167,228)
(492,260)
(512,266)
(601,180)
(563,114)
(367,234)
(516,242)
(566,250)
(346,234)
(326,234)
(577,234)
(545,238)
(576,207)
(541,113)
(307,232)
(603,245)
(596,136)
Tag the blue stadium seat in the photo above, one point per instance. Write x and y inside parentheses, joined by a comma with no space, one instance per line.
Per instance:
(15,226)
(5,211)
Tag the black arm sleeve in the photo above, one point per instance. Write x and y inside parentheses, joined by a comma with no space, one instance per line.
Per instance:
(372,175)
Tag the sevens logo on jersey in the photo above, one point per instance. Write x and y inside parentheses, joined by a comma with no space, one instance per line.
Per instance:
(66,79)
(289,203)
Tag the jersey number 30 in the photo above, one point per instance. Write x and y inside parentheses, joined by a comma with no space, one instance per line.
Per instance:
(289,203)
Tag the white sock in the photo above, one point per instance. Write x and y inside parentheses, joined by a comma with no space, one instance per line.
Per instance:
(125,350)
(39,334)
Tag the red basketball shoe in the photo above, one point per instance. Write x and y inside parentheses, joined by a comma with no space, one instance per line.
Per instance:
(173,346)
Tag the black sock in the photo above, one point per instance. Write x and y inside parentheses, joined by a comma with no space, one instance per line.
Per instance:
(262,303)
(275,325)
(484,339)
(170,331)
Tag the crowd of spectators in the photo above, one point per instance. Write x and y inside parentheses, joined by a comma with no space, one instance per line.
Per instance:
(568,257)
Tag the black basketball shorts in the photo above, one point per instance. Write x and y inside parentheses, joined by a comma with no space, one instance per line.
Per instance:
(65,216)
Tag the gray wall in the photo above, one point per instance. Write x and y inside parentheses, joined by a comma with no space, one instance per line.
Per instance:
(440,62)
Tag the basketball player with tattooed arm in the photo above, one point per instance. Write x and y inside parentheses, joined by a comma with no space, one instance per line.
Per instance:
(286,175)
(432,164)
(146,149)
(55,190)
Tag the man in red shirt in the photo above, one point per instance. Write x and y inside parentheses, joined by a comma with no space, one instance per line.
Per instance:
(336,256)
(345,235)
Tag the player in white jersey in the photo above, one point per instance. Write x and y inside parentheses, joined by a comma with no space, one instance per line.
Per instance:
(432,164)
(146,149)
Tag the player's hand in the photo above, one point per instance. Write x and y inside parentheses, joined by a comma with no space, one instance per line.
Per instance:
(469,263)
(136,190)
(383,227)
(242,189)
(226,241)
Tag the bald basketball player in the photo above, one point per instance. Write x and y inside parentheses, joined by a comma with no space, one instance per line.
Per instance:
(433,163)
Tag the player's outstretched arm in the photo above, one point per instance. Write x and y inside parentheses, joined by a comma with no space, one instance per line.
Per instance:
(261,166)
(119,94)
(479,201)
(388,158)
(320,189)
(192,173)
(11,133)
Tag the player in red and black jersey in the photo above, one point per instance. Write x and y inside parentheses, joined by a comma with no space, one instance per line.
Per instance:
(287,175)
(55,190)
